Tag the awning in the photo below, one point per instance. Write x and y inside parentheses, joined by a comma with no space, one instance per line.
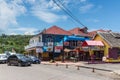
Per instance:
(92,43)
(69,50)
(69,38)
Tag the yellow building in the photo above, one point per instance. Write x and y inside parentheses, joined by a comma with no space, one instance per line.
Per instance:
(111,42)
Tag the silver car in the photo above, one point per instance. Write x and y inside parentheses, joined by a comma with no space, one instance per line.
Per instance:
(3,58)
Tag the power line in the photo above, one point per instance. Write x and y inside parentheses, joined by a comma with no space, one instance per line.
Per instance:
(71,13)
(67,11)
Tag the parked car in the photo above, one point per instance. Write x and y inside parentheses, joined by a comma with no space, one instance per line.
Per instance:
(3,58)
(18,59)
(35,60)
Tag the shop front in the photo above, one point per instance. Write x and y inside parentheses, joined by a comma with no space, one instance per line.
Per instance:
(94,50)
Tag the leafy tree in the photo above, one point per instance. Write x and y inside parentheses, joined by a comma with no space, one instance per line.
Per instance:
(14,41)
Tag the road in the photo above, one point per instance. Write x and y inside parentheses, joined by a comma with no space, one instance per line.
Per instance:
(52,72)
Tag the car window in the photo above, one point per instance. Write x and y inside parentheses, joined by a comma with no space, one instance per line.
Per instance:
(21,56)
(13,56)
(4,56)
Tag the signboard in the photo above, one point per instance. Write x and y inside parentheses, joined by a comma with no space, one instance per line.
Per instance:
(39,50)
(50,44)
(58,49)
(66,43)
(85,48)
(59,44)
(96,48)
(49,49)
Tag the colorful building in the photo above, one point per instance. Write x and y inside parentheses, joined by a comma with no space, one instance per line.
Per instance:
(47,44)
(111,42)
(51,42)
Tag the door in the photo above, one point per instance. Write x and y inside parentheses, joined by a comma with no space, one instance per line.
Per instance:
(113,53)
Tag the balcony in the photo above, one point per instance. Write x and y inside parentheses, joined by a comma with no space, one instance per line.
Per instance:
(36,44)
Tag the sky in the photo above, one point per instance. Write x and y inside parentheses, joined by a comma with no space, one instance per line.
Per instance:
(32,16)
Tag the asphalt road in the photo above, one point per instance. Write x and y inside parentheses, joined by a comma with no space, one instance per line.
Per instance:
(52,72)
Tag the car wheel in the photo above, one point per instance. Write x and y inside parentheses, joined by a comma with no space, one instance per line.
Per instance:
(29,65)
(19,64)
(38,63)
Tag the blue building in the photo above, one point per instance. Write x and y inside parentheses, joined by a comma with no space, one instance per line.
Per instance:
(52,42)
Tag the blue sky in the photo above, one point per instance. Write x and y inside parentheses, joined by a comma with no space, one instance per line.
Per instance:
(31,16)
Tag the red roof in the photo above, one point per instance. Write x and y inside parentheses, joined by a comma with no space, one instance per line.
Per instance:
(78,31)
(57,30)
(92,43)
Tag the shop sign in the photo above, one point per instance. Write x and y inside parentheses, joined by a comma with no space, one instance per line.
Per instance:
(50,44)
(39,50)
(95,48)
(59,44)
(66,43)
(58,49)
(85,48)
(50,49)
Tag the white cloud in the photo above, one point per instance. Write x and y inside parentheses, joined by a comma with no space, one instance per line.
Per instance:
(9,10)
(22,30)
(29,33)
(45,11)
(31,1)
(86,8)
(13,33)
(48,16)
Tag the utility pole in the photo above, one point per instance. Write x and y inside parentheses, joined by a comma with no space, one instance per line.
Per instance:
(53,55)
(63,51)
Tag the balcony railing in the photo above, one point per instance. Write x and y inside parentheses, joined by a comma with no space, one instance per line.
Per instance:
(37,44)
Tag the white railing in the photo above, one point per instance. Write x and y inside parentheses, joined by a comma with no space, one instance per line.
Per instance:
(36,44)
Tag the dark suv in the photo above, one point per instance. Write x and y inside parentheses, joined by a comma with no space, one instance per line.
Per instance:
(19,60)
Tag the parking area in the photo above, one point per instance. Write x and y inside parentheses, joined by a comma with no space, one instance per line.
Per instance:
(52,72)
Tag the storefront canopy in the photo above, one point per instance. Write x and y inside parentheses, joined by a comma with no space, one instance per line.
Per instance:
(92,43)
(69,38)
(69,50)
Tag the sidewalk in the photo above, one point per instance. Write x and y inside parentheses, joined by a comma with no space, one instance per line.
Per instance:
(63,63)
(84,64)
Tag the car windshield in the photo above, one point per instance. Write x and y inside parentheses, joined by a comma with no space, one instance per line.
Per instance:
(3,56)
(21,56)
(33,57)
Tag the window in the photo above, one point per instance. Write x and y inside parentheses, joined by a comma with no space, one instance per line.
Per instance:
(49,39)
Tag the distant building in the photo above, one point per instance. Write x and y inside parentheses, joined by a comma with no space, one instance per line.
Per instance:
(82,32)
(93,33)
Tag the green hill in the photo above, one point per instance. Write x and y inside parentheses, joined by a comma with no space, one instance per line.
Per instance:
(16,42)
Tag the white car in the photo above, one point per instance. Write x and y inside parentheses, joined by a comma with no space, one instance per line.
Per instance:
(3,58)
